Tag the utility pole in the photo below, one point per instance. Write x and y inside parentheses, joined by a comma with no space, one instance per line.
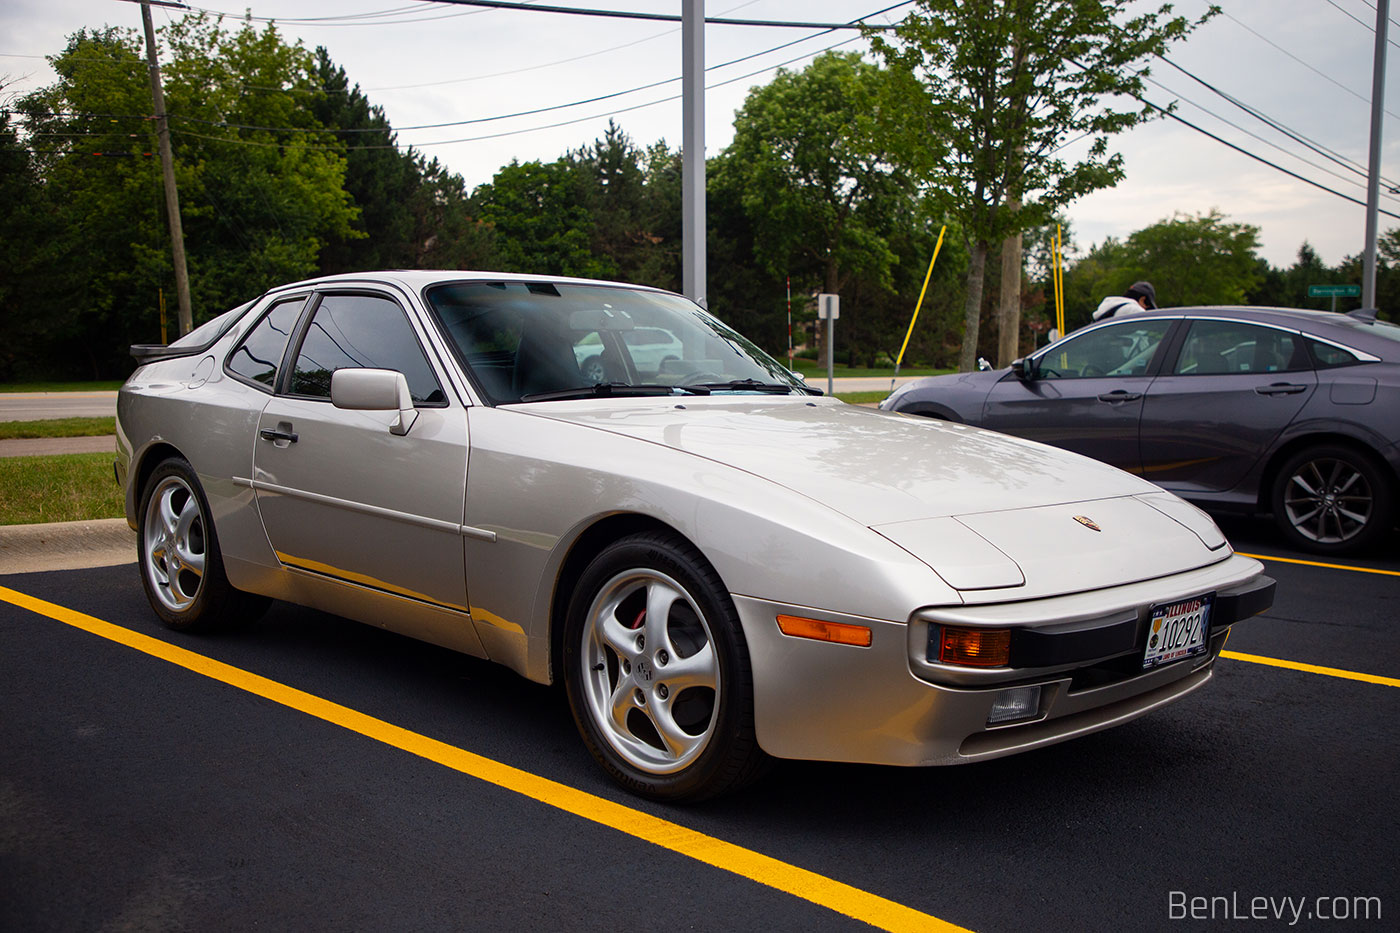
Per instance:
(167,171)
(693,150)
(1373,183)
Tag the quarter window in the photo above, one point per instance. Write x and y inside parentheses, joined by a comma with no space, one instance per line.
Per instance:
(1216,348)
(1330,357)
(364,332)
(258,357)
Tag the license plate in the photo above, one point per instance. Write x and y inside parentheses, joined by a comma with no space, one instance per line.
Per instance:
(1178,630)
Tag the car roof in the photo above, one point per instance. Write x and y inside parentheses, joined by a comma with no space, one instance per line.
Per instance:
(1328,325)
(418,279)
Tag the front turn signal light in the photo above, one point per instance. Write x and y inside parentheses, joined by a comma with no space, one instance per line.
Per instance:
(974,647)
(841,633)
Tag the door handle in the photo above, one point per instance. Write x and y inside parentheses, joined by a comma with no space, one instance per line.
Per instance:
(269,434)
(1280,388)
(1120,395)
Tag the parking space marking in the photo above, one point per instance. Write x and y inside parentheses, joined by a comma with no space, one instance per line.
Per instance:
(1312,668)
(825,892)
(1313,563)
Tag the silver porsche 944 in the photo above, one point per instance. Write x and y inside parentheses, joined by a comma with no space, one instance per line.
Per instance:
(720,565)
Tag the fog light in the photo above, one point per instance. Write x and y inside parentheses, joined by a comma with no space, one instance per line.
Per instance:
(1014,703)
(974,647)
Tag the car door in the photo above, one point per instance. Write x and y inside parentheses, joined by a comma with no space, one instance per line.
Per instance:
(1214,411)
(341,496)
(1085,393)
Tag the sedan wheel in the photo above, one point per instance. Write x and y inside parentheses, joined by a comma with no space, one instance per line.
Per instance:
(658,672)
(181,567)
(176,547)
(1332,500)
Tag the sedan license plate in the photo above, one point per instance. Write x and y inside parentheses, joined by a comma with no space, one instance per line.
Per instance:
(1178,630)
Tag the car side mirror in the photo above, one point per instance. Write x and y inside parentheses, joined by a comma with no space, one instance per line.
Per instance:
(375,390)
(1024,368)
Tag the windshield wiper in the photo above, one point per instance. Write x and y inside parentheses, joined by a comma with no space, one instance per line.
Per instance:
(751,385)
(613,390)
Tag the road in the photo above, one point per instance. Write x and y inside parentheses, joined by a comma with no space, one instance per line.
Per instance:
(38,406)
(145,792)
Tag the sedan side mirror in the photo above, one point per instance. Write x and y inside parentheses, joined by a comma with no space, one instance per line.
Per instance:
(375,390)
(1024,368)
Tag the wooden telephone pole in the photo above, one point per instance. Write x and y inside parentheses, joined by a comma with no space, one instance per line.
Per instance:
(167,171)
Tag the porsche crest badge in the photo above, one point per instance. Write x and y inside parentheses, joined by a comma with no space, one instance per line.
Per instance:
(1088,522)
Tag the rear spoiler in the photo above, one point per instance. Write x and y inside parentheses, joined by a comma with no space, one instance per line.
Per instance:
(152,352)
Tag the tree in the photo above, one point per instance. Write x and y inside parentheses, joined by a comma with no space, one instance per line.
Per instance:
(811,168)
(261,181)
(540,225)
(1004,87)
(1191,260)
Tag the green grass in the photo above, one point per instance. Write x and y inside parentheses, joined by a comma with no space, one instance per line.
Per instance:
(66,488)
(812,369)
(58,427)
(862,398)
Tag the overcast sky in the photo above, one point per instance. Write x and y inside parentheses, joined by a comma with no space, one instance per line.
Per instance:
(1304,63)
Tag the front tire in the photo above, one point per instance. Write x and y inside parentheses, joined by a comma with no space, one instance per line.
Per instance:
(182,568)
(1332,499)
(657,671)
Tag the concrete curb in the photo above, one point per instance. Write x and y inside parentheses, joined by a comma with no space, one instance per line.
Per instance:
(66,545)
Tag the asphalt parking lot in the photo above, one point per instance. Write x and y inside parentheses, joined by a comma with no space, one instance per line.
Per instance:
(311,773)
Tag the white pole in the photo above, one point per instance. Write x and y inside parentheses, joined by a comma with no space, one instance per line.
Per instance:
(1373,183)
(693,150)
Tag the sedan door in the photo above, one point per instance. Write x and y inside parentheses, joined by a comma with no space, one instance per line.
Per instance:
(341,496)
(1231,390)
(1086,393)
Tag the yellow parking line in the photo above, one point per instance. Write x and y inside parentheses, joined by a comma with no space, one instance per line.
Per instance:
(1313,563)
(860,905)
(1312,668)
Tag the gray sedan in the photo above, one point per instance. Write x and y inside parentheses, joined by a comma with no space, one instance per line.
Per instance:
(720,566)
(1263,410)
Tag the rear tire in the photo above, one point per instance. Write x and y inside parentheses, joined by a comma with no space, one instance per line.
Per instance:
(658,673)
(182,568)
(1332,499)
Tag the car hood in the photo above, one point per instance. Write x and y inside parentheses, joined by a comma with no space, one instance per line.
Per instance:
(983,509)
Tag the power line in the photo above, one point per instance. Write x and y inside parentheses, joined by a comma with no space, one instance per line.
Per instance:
(1367,26)
(662,17)
(531,129)
(506,116)
(521,113)
(1319,73)
(1258,114)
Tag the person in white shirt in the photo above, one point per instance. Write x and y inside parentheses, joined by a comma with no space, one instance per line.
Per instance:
(1140,297)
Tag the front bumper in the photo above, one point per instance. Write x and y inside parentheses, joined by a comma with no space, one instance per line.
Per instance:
(887,704)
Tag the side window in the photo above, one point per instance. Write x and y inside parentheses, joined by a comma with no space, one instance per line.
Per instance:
(1220,347)
(365,332)
(1119,350)
(1330,357)
(260,353)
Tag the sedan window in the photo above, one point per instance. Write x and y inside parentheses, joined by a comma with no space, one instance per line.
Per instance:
(1329,356)
(1219,347)
(260,354)
(1120,350)
(367,332)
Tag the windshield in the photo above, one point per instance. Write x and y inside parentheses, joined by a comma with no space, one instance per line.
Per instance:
(527,341)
